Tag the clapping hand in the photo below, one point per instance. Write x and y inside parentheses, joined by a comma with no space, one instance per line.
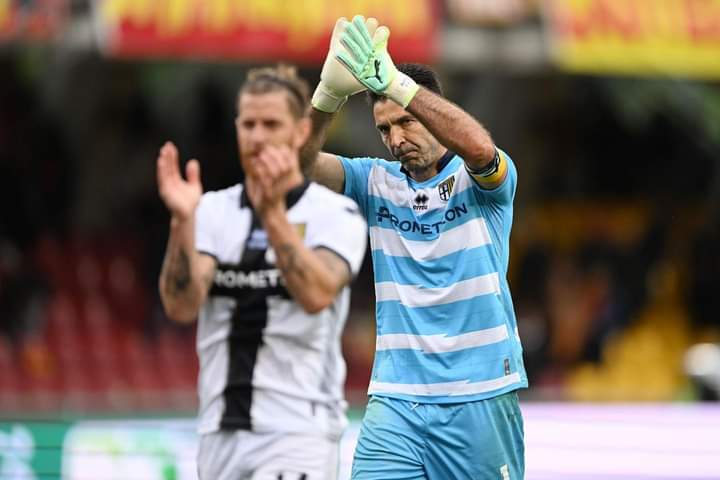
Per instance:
(274,172)
(180,196)
(336,83)
(366,57)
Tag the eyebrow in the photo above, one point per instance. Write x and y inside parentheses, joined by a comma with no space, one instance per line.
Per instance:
(397,120)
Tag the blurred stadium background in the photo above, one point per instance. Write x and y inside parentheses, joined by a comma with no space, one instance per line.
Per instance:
(610,108)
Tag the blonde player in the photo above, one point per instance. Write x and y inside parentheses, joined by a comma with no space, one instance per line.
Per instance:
(265,267)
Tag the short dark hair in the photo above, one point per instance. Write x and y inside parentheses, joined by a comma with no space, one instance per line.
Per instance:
(279,78)
(423,76)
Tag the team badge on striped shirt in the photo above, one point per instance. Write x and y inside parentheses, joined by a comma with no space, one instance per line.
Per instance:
(300,229)
(445,188)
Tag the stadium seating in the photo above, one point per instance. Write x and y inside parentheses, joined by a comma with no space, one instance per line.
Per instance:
(100,347)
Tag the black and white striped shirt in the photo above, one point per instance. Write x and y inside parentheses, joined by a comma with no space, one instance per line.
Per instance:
(266,364)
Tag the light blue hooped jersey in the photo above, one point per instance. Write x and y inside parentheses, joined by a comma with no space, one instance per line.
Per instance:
(446,329)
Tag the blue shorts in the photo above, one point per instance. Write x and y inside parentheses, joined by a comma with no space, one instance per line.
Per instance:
(473,440)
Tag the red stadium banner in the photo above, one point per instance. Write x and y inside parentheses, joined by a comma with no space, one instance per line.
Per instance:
(32,20)
(256,30)
(638,37)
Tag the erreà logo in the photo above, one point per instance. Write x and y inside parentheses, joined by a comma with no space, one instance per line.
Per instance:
(421,201)
(445,189)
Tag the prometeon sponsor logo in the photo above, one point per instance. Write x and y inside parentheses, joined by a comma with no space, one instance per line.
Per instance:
(450,215)
(254,279)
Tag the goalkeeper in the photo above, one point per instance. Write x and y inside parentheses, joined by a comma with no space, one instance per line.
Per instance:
(443,402)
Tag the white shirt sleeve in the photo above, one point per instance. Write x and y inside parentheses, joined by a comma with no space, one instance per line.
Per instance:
(341,228)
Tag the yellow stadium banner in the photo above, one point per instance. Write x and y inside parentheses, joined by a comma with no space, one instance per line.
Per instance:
(636,37)
(256,30)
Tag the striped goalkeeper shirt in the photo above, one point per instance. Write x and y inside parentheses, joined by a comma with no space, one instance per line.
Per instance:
(446,328)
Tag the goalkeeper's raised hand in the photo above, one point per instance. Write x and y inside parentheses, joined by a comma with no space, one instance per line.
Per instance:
(336,83)
(366,57)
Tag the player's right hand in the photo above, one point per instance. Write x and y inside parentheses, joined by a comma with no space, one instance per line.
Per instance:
(336,83)
(273,174)
(180,196)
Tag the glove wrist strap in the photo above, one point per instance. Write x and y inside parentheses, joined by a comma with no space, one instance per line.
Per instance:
(402,89)
(326,101)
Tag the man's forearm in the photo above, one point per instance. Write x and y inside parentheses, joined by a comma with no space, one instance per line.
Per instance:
(320,167)
(306,277)
(309,152)
(454,128)
(180,289)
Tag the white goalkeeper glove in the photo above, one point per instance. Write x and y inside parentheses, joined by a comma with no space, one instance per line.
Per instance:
(336,82)
(366,57)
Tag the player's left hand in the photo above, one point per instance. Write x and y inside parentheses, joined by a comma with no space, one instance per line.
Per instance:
(368,60)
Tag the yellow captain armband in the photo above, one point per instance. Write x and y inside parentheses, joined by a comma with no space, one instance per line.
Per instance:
(493,175)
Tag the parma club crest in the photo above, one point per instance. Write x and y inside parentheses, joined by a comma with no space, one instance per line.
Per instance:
(445,188)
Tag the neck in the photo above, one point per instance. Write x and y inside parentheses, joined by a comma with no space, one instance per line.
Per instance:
(423,173)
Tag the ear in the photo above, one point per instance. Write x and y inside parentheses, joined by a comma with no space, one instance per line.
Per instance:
(302,134)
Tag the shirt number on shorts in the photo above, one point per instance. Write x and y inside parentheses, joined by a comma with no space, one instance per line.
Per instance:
(504,472)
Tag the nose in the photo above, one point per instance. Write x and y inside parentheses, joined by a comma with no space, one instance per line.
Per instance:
(257,135)
(396,137)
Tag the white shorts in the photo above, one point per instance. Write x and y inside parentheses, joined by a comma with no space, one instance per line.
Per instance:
(245,455)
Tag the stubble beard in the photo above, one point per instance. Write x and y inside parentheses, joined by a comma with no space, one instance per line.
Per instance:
(417,169)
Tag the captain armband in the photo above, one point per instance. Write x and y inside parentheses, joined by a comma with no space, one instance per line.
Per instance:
(493,174)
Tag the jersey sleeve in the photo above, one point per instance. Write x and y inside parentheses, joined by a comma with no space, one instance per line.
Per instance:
(207,217)
(341,229)
(500,186)
(357,172)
